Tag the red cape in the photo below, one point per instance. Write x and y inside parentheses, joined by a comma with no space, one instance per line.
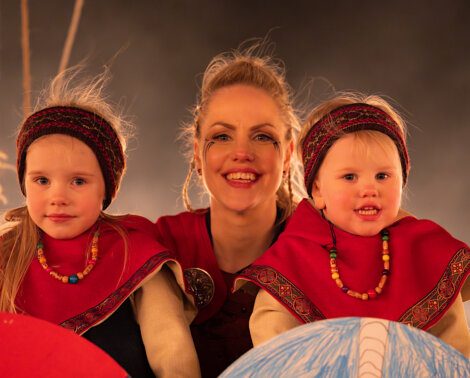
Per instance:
(186,234)
(93,299)
(428,269)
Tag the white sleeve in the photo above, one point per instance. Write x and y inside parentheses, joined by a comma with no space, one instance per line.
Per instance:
(269,319)
(164,326)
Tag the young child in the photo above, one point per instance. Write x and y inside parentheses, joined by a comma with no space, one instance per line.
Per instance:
(66,261)
(349,250)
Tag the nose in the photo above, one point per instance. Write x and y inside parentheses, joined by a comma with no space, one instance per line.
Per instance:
(59,195)
(243,151)
(368,190)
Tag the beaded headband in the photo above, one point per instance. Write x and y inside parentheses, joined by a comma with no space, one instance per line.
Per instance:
(86,126)
(343,120)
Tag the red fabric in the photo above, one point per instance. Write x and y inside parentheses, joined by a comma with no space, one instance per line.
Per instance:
(90,301)
(34,348)
(186,234)
(428,268)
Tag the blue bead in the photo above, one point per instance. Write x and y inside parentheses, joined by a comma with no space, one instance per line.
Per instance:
(345,289)
(73,279)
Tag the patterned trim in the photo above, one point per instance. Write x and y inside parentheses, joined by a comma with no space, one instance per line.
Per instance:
(284,291)
(84,321)
(437,301)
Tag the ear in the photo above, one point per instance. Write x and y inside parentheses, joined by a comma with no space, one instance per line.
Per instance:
(287,157)
(197,156)
(316,194)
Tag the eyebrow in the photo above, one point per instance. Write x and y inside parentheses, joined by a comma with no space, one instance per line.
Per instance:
(232,127)
(39,173)
(382,168)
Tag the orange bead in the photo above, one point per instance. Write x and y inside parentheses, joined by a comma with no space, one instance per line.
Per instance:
(335,276)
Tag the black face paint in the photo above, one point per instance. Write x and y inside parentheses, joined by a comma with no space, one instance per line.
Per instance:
(207,144)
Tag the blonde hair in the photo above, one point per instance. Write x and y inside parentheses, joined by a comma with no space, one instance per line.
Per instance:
(249,67)
(19,235)
(346,98)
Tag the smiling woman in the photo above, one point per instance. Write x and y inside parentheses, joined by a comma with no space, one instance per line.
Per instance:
(240,143)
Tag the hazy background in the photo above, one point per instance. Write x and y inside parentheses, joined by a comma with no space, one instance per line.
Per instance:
(415,52)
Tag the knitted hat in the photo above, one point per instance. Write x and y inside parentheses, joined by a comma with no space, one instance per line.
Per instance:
(343,120)
(86,126)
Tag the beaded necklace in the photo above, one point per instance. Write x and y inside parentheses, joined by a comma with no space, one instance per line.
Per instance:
(371,293)
(74,278)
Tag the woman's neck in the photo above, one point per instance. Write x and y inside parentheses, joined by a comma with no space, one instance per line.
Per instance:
(240,238)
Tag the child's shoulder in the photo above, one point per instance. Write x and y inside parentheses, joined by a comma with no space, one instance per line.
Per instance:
(424,229)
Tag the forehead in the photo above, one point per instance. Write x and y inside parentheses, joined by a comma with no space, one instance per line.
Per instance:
(370,146)
(242,105)
(59,149)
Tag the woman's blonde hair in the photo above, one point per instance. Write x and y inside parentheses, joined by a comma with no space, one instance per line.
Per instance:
(253,67)
(19,235)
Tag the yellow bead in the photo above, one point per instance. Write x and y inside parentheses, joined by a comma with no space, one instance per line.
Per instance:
(385,257)
(335,276)
(65,279)
(364,296)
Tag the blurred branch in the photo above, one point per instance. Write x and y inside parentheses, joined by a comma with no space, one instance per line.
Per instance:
(4,166)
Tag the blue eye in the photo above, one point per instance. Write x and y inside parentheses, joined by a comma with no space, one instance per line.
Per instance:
(42,180)
(349,176)
(79,181)
(264,138)
(221,138)
(381,176)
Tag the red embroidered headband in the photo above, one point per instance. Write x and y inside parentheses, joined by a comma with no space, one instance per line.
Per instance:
(86,126)
(343,120)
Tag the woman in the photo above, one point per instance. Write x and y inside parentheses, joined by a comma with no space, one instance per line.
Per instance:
(241,142)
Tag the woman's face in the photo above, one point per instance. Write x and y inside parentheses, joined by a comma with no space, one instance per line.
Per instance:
(242,149)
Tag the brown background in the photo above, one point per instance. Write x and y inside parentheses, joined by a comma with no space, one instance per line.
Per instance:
(415,52)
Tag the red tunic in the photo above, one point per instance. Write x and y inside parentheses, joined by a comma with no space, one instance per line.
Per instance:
(93,299)
(428,269)
(220,330)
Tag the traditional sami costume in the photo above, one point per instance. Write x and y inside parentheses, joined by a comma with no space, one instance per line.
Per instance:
(428,269)
(220,328)
(98,306)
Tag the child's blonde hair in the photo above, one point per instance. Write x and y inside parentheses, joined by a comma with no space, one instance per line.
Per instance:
(19,235)
(251,67)
(367,117)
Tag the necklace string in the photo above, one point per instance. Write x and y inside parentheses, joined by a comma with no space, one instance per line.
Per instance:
(74,278)
(371,293)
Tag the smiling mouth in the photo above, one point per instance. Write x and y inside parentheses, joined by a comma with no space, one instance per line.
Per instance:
(241,176)
(368,210)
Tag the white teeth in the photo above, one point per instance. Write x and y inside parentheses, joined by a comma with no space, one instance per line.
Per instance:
(248,176)
(367,211)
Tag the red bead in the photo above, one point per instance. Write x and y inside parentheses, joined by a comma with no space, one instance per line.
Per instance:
(372,294)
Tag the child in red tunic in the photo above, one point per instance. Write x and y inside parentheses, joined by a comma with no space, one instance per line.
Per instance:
(349,250)
(66,261)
